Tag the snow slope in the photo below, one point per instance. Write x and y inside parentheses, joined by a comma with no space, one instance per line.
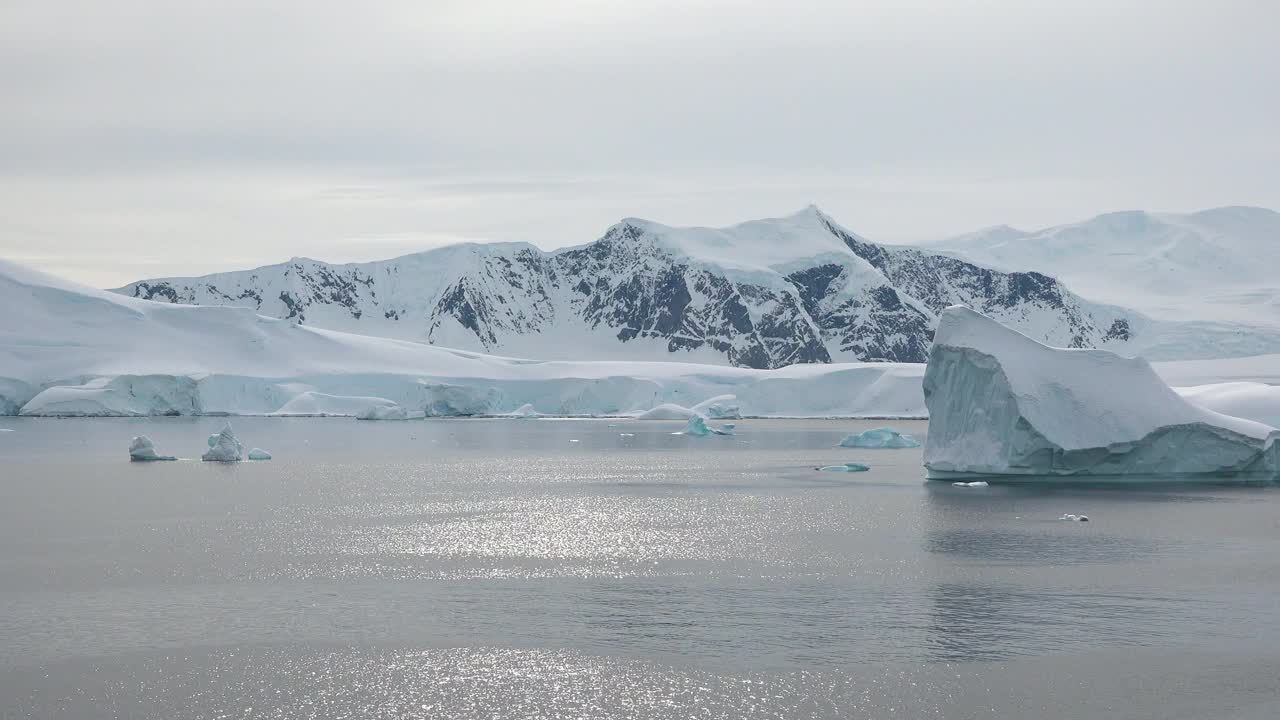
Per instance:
(1215,265)
(761,294)
(72,350)
(1001,403)
(66,349)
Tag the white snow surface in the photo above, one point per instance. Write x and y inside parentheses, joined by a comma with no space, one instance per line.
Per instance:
(1002,403)
(70,350)
(67,349)
(1206,265)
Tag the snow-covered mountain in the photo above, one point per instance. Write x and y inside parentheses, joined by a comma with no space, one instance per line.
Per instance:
(66,349)
(762,294)
(1213,265)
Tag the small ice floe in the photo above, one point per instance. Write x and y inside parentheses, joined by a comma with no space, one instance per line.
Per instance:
(974,484)
(6,429)
(259,454)
(847,467)
(626,434)
(224,447)
(573,440)
(879,438)
(1075,518)
(697,427)
(142,449)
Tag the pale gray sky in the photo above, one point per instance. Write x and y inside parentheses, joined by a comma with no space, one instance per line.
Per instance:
(151,137)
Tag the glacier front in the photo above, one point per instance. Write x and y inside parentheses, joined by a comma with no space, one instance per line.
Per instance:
(1001,403)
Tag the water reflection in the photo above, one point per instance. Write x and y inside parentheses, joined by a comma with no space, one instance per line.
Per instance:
(1040,548)
(987,622)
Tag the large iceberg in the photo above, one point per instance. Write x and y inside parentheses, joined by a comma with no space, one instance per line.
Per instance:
(224,447)
(1001,403)
(142,449)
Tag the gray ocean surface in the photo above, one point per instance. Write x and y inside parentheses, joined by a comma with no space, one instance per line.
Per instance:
(610,569)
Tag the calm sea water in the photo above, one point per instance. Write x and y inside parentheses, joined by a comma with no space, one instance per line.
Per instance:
(513,569)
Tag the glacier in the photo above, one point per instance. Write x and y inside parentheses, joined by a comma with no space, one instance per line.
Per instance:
(389,412)
(1002,404)
(67,350)
(143,449)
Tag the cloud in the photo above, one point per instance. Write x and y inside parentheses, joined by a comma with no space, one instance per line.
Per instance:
(274,129)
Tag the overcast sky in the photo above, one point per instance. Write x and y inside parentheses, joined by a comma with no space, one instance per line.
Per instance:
(141,138)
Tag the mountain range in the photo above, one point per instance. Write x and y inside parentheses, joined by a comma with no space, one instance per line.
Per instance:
(1209,265)
(761,294)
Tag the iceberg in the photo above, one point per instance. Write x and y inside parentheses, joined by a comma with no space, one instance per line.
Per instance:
(142,449)
(259,454)
(224,447)
(879,438)
(1003,404)
(697,427)
(847,467)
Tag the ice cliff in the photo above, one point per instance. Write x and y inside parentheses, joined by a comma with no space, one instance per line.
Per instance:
(1001,403)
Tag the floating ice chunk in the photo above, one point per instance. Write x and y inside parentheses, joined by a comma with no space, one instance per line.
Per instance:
(142,449)
(698,427)
(847,467)
(389,412)
(224,447)
(1001,403)
(974,484)
(1075,518)
(626,434)
(879,438)
(259,454)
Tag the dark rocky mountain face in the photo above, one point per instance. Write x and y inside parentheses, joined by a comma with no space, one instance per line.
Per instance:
(634,286)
